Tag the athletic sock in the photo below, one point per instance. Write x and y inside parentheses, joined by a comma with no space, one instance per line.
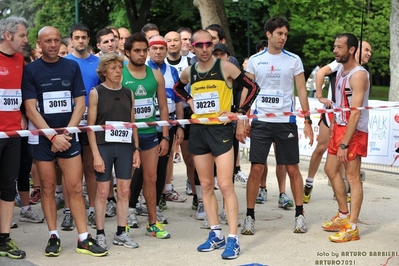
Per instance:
(342,214)
(251,212)
(120,230)
(111,198)
(100,231)
(309,181)
(298,210)
(3,237)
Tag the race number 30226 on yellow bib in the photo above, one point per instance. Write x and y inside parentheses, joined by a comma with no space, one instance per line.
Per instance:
(55,102)
(143,108)
(119,133)
(270,99)
(206,103)
(10,99)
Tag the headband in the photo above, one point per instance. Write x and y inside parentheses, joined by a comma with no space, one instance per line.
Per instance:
(157,42)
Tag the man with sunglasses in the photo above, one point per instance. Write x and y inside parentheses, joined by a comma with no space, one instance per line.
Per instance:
(277,71)
(212,142)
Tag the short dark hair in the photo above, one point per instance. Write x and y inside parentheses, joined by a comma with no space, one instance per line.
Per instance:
(351,40)
(181,29)
(149,26)
(103,32)
(218,29)
(79,26)
(276,22)
(66,40)
(136,37)
(261,45)
(198,31)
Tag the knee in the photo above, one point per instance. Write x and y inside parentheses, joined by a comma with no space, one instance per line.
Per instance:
(256,171)
(75,188)
(102,192)
(123,193)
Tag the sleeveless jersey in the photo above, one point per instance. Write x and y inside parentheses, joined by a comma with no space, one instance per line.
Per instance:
(144,97)
(275,75)
(343,97)
(11,68)
(210,92)
(113,106)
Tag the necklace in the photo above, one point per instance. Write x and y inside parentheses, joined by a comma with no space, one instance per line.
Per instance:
(198,73)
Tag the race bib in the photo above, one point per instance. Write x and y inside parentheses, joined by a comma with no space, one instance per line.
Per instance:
(83,121)
(171,106)
(143,108)
(273,99)
(119,134)
(56,102)
(10,99)
(206,103)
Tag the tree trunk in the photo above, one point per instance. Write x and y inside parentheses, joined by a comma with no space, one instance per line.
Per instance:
(137,18)
(394,58)
(213,12)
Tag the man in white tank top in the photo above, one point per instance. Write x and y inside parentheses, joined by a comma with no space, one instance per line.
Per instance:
(349,138)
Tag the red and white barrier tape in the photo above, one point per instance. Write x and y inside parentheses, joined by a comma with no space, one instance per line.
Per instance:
(50,131)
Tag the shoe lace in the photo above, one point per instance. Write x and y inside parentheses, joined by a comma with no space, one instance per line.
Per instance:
(12,245)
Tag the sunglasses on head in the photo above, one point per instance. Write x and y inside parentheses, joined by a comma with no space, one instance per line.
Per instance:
(202,44)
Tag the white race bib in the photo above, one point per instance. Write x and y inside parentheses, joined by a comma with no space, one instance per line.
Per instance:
(143,108)
(55,102)
(273,99)
(119,134)
(206,103)
(10,99)
(83,121)
(171,106)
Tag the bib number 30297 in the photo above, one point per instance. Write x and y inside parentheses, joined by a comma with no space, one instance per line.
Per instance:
(119,133)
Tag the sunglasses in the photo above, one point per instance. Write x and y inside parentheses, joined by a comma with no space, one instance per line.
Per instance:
(202,44)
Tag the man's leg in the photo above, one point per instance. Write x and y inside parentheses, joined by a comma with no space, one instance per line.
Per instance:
(100,203)
(189,161)
(296,182)
(331,169)
(90,178)
(352,171)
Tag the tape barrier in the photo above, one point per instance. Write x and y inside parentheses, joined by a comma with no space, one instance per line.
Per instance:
(50,131)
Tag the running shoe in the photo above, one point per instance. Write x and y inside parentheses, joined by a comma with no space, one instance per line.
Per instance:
(162,203)
(13,224)
(30,216)
(205,224)
(124,240)
(157,231)
(177,158)
(189,190)
(307,192)
(262,196)
(141,209)
(241,177)
(132,221)
(89,246)
(335,224)
(249,226)
(111,209)
(194,205)
(300,224)
(201,214)
(67,223)
(223,219)
(212,243)
(53,248)
(172,195)
(232,249)
(345,234)
(285,202)
(160,217)
(35,196)
(102,241)
(216,183)
(91,220)
(10,249)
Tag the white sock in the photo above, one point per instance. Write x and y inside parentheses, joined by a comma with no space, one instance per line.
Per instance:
(25,208)
(168,187)
(54,232)
(235,236)
(218,230)
(353,226)
(342,215)
(91,209)
(309,181)
(199,193)
(83,236)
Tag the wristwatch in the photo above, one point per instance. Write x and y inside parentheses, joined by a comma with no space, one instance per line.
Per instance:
(167,138)
(343,146)
(308,120)
(137,149)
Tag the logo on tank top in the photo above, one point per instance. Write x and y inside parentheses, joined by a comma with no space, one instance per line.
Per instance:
(4,71)
(140,91)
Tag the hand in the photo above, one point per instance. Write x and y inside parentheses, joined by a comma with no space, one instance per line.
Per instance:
(342,155)
(99,164)
(241,132)
(227,113)
(61,143)
(163,147)
(179,135)
(24,122)
(136,159)
(191,104)
(308,132)
(327,103)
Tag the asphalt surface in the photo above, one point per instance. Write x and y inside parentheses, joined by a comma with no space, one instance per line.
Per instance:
(274,242)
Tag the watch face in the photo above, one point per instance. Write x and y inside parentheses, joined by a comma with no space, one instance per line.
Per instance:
(343,146)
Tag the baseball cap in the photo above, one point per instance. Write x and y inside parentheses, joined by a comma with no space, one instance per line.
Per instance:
(222,47)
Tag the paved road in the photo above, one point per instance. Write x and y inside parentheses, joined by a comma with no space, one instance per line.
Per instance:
(273,242)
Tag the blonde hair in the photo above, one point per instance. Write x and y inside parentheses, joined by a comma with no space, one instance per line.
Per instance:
(105,60)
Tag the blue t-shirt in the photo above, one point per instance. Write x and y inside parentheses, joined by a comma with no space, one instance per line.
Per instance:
(88,68)
(54,85)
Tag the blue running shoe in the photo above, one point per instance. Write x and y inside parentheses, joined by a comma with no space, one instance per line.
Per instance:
(212,243)
(232,249)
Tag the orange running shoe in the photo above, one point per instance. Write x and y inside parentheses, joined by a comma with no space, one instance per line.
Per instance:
(346,234)
(335,224)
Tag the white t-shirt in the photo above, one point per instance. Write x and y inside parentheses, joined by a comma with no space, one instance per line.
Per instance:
(275,75)
(334,65)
